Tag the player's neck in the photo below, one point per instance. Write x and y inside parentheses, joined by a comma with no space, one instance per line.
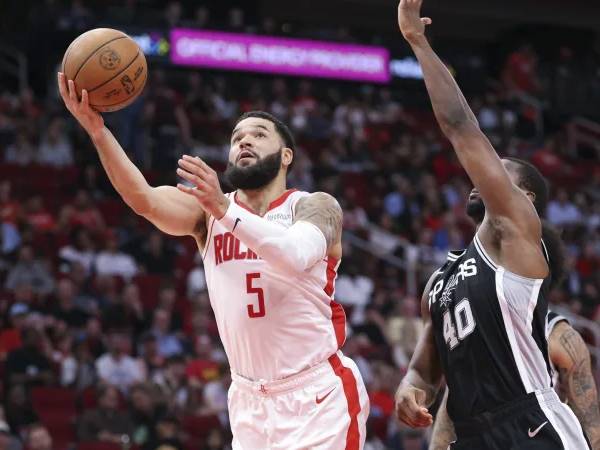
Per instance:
(258,200)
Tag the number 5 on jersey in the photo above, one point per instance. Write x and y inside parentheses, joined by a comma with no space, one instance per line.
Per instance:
(253,312)
(465,323)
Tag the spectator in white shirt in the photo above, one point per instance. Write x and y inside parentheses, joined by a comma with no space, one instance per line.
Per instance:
(79,250)
(55,148)
(168,343)
(355,290)
(196,281)
(118,368)
(111,261)
(22,152)
(31,271)
(562,211)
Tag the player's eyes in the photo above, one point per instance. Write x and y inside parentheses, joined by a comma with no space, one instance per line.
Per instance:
(260,134)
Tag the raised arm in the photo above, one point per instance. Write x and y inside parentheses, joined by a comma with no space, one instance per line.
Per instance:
(166,207)
(420,385)
(570,356)
(505,203)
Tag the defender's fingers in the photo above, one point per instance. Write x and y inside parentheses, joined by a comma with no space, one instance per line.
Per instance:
(426,21)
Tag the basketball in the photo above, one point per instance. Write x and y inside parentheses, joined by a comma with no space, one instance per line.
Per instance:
(109,65)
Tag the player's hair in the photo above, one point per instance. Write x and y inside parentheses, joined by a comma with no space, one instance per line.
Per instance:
(281,128)
(531,179)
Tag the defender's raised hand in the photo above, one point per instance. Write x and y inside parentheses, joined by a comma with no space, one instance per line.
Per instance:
(88,118)
(412,25)
(207,188)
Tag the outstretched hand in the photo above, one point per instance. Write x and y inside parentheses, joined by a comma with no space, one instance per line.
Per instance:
(88,118)
(207,189)
(412,25)
(410,407)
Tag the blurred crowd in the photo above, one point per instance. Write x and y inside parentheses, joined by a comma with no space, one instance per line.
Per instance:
(109,315)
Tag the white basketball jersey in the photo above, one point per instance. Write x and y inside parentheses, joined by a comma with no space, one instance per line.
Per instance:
(272,325)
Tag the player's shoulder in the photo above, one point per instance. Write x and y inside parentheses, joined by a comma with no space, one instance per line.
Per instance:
(314,199)
(454,255)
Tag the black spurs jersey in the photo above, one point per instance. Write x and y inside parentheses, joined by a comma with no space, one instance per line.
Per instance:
(489,327)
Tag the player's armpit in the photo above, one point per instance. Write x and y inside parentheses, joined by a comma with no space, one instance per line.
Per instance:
(443,429)
(570,355)
(323,211)
(174,212)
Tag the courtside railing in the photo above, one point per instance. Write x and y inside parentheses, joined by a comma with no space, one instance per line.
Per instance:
(582,131)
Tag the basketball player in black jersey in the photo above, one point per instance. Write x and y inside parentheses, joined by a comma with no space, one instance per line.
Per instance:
(485,309)
(573,379)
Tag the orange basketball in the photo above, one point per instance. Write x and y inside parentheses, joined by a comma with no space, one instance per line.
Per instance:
(109,65)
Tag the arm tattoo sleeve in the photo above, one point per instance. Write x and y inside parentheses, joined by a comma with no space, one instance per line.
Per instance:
(443,429)
(323,211)
(578,383)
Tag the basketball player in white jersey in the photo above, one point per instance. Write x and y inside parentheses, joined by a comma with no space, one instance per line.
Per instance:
(270,257)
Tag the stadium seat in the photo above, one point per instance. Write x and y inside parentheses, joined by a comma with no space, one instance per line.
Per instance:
(53,399)
(149,285)
(94,445)
(198,427)
(88,399)
(61,426)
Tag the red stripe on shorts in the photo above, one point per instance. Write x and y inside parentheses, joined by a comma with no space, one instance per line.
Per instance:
(351,392)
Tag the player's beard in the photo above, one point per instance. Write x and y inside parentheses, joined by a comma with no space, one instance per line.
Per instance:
(255,176)
(476,210)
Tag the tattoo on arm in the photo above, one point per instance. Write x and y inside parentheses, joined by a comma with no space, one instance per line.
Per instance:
(443,429)
(323,211)
(578,383)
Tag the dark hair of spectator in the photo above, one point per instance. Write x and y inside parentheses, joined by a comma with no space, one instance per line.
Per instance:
(102,389)
(175,359)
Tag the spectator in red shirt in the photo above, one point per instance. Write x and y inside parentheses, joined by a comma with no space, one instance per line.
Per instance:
(9,207)
(38,216)
(202,369)
(520,71)
(10,337)
(82,212)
